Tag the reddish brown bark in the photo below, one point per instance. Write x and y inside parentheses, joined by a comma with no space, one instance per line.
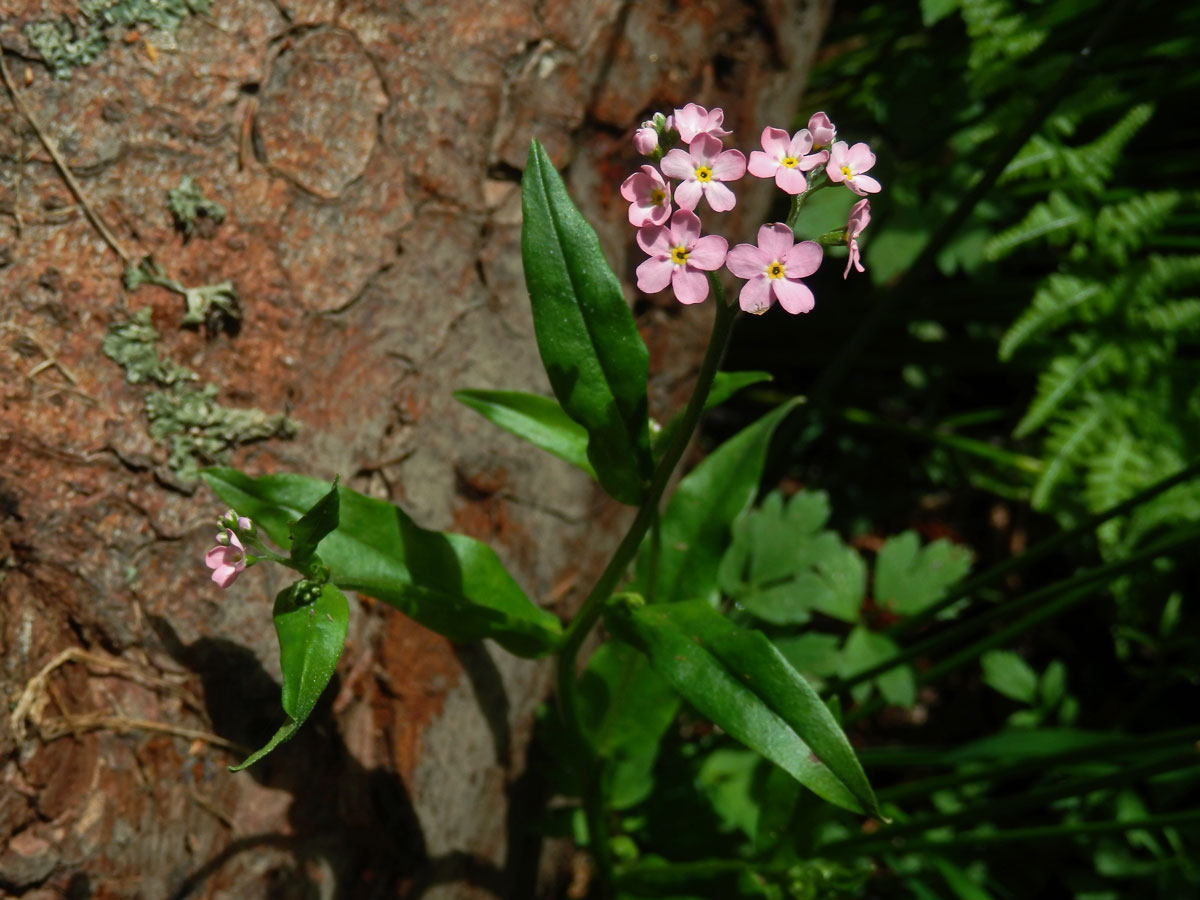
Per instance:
(367,154)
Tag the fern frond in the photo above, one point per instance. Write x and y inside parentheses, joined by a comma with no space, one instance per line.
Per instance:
(1116,472)
(1056,221)
(1124,227)
(1056,297)
(1069,439)
(1175,316)
(1095,161)
(1066,373)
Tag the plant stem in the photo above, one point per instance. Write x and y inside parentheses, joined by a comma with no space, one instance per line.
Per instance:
(593,606)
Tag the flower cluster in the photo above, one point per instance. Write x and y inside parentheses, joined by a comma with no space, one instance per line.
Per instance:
(229,559)
(669,227)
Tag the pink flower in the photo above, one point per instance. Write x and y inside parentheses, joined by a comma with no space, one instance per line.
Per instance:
(702,168)
(227,559)
(649,197)
(860,218)
(679,257)
(784,159)
(775,268)
(822,130)
(693,121)
(645,139)
(848,165)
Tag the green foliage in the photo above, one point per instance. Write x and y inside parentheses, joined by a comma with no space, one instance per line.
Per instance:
(743,684)
(449,583)
(311,622)
(590,346)
(539,420)
(183,414)
(783,568)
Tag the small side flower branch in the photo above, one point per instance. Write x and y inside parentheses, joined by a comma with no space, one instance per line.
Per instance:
(598,421)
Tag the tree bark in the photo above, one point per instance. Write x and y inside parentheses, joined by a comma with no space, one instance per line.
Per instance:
(367,156)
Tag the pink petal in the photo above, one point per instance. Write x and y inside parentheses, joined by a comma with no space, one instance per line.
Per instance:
(761,165)
(810,162)
(864,184)
(793,296)
(837,159)
(224,576)
(653,275)
(729,166)
(775,241)
(705,150)
(803,259)
(800,143)
(859,218)
(853,260)
(690,285)
(678,164)
(746,261)
(719,197)
(216,557)
(654,240)
(709,253)
(821,128)
(756,295)
(688,194)
(790,181)
(685,228)
(775,142)
(636,185)
(859,158)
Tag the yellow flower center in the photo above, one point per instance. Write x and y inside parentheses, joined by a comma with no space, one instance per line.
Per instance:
(679,255)
(790,161)
(657,196)
(703,173)
(775,270)
(847,174)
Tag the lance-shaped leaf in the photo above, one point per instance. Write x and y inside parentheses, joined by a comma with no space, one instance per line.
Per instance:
(539,420)
(696,527)
(586,335)
(450,583)
(743,684)
(310,621)
(308,531)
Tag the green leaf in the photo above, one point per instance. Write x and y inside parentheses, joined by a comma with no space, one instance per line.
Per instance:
(309,530)
(724,386)
(909,578)
(865,649)
(744,685)
(1009,674)
(695,528)
(539,420)
(781,567)
(626,708)
(310,621)
(590,346)
(450,583)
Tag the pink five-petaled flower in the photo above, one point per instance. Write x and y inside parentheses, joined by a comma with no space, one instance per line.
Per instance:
(822,130)
(679,257)
(701,169)
(774,269)
(649,197)
(860,218)
(227,559)
(848,165)
(784,159)
(693,121)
